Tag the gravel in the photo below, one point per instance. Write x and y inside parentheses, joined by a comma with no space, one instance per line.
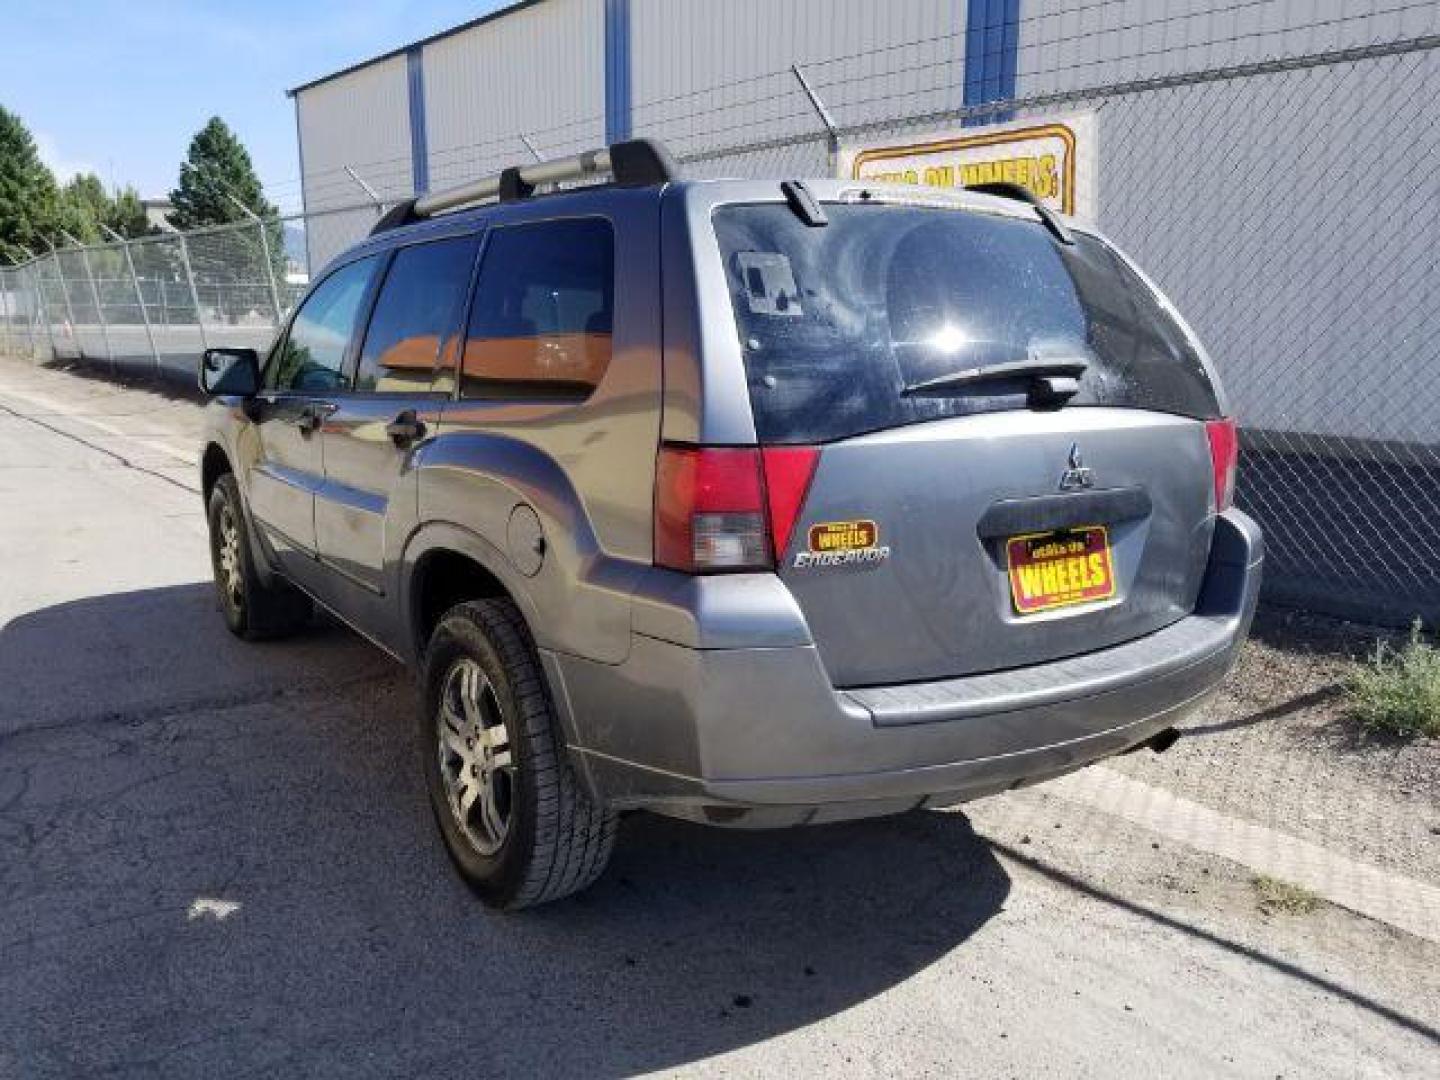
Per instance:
(1277,747)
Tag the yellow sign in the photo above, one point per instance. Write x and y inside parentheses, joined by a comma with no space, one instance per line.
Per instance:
(1054,160)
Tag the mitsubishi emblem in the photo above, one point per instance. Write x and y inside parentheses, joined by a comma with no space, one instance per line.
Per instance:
(1076,476)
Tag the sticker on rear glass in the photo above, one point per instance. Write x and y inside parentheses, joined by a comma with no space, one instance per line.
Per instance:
(770,287)
(842,543)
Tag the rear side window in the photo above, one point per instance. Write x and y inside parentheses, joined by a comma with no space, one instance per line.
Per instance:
(417,310)
(836,322)
(543,313)
(313,355)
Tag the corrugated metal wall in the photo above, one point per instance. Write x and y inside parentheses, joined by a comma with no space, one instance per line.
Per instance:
(1074,44)
(539,70)
(1186,158)
(706,74)
(362,120)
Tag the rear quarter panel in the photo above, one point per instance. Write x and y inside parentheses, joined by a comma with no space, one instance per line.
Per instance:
(586,470)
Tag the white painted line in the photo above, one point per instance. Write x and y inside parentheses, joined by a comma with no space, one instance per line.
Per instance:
(1401,902)
(40,401)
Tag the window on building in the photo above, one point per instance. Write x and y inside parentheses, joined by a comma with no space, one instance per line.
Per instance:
(543,313)
(313,356)
(417,311)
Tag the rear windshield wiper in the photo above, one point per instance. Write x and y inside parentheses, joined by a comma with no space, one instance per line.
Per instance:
(1060,378)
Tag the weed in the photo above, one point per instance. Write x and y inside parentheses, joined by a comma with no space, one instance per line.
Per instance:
(1280,897)
(1397,691)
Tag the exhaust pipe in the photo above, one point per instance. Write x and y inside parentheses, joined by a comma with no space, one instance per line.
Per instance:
(1159,742)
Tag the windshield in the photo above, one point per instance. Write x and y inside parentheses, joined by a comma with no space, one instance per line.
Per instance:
(842,325)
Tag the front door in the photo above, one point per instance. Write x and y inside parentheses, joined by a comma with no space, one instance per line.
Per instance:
(301,382)
(286,473)
(367,503)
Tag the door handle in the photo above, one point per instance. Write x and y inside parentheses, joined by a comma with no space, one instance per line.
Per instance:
(405,428)
(312,417)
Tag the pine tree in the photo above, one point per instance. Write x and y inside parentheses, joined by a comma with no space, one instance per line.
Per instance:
(216,175)
(29,198)
(127,215)
(216,171)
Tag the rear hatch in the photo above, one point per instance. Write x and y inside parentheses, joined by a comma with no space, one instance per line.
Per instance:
(1014,464)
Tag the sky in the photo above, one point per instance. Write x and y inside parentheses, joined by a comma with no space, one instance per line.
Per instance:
(119,87)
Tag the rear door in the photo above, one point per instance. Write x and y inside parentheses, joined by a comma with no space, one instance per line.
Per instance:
(392,407)
(302,380)
(970,509)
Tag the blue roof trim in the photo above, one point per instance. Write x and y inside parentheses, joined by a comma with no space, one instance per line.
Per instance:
(617,70)
(992,55)
(419,143)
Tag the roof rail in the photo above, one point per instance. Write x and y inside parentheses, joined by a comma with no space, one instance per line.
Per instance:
(636,163)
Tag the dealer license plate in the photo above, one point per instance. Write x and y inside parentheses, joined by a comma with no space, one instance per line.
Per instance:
(1060,568)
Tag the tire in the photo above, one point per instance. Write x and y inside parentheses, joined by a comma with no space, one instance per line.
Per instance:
(521,829)
(253,610)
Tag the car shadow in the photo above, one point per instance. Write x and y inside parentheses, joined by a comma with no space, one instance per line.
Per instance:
(174,381)
(251,878)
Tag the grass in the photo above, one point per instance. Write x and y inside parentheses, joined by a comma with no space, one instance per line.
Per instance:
(1280,897)
(1397,691)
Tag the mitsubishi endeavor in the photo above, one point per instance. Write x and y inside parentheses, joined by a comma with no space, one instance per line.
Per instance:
(753,503)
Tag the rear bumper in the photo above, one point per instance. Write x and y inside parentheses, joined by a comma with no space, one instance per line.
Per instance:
(759,737)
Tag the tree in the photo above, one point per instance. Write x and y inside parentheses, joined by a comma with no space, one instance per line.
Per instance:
(84,204)
(29,198)
(216,175)
(127,215)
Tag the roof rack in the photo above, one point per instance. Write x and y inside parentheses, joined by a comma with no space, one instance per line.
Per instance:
(636,163)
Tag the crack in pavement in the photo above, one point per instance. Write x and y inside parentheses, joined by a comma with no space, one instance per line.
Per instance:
(121,458)
(226,702)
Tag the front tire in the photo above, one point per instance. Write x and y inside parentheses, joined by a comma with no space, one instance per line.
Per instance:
(252,609)
(518,823)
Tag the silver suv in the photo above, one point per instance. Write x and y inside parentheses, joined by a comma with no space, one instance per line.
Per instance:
(753,503)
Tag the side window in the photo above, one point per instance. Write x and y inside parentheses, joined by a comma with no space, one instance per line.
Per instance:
(542,319)
(418,307)
(313,354)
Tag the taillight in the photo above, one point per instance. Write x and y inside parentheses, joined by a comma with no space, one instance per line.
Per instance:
(1224,459)
(727,508)
(788,470)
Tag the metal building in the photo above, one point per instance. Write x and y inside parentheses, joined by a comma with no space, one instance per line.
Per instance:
(1273,163)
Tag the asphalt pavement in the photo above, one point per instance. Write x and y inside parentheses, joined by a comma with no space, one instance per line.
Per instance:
(216,859)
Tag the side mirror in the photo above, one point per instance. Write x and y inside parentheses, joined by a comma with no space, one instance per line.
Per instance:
(231,372)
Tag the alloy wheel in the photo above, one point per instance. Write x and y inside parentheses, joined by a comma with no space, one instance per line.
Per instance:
(476,764)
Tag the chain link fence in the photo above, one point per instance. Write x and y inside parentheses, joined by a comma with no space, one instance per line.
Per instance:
(1287,205)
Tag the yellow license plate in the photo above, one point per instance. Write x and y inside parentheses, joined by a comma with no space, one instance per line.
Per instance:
(1059,568)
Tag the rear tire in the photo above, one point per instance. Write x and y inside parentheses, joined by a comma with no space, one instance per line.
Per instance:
(516,819)
(253,610)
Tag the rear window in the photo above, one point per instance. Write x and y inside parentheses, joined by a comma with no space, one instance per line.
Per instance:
(836,321)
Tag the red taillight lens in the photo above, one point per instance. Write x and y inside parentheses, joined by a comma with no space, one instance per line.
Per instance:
(723,508)
(788,470)
(710,510)
(1224,459)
